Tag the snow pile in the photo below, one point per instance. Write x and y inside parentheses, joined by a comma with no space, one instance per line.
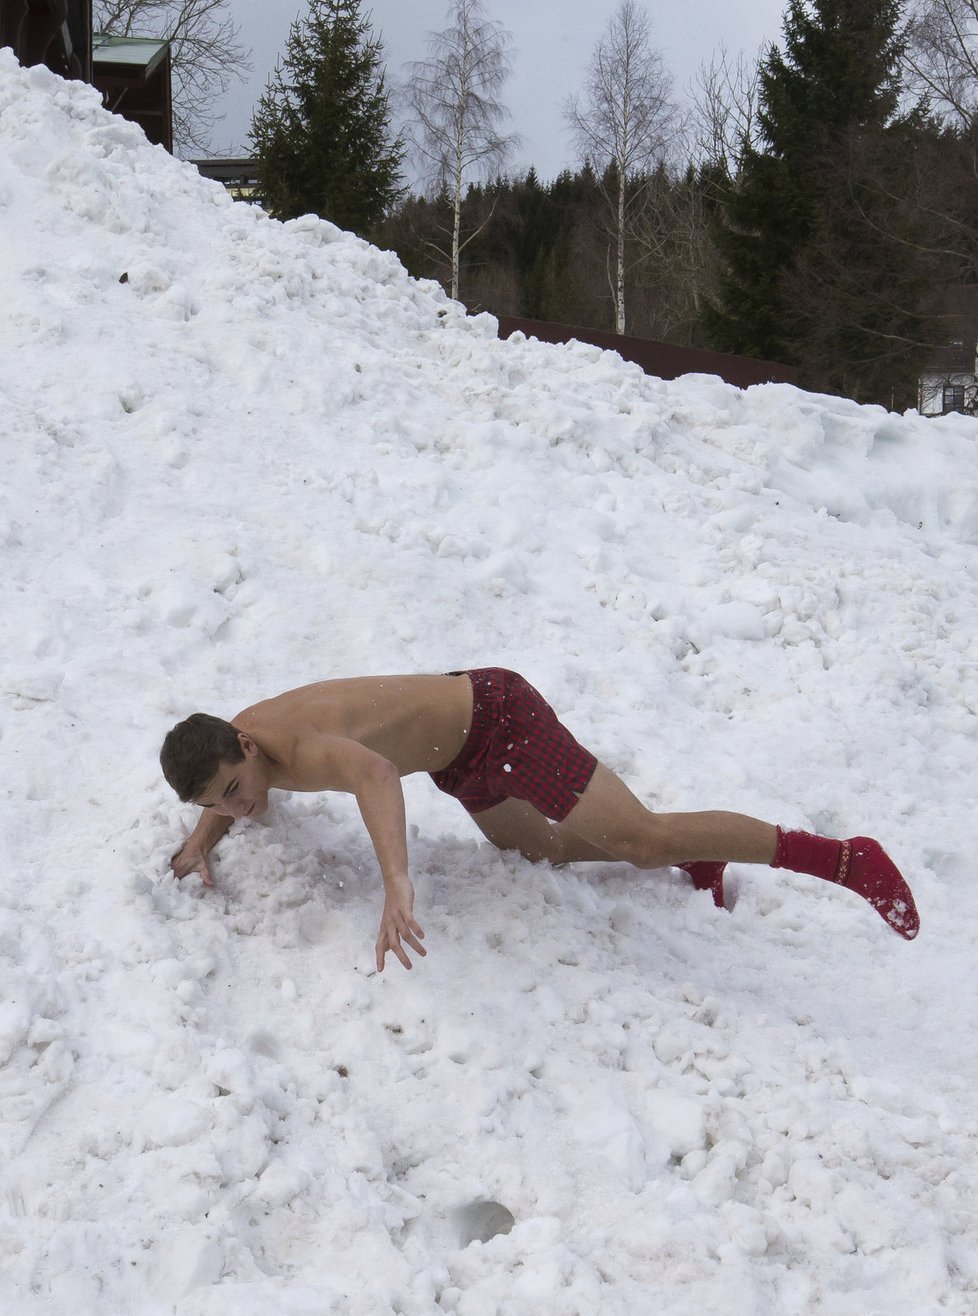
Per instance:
(239,456)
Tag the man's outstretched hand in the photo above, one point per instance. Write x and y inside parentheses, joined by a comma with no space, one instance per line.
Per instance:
(398,924)
(189,859)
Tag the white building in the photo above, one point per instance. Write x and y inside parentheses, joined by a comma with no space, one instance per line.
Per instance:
(950,380)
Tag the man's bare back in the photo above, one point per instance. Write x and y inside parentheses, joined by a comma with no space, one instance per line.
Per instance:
(418,723)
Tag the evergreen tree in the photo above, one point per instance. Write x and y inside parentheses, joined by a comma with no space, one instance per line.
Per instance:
(821,266)
(321,132)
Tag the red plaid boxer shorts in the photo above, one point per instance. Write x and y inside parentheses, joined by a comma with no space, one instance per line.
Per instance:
(517,749)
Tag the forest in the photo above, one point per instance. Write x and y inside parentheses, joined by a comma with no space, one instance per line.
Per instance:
(816,205)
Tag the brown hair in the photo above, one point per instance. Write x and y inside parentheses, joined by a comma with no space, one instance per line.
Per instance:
(194,750)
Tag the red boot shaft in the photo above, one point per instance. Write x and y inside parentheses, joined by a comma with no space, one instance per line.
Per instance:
(707,876)
(860,865)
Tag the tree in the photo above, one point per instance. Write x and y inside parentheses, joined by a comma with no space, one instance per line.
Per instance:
(826,263)
(453,96)
(675,275)
(204,52)
(724,114)
(941,57)
(625,120)
(941,63)
(321,131)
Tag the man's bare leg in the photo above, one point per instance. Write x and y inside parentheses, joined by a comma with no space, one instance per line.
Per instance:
(609,823)
(517,825)
(611,818)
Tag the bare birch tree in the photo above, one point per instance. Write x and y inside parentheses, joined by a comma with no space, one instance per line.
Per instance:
(725,98)
(625,121)
(453,97)
(204,50)
(940,63)
(677,257)
(941,57)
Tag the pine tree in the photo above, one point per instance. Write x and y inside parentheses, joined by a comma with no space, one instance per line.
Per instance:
(321,132)
(820,266)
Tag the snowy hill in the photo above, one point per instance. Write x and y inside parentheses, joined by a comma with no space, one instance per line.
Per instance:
(239,456)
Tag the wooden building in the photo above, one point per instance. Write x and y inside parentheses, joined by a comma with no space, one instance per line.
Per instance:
(132,73)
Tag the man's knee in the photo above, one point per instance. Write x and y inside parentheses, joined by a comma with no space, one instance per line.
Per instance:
(646,845)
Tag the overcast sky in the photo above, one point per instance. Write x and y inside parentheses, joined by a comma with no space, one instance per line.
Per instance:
(553,42)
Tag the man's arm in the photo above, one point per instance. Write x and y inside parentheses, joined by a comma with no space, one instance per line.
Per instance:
(381,803)
(334,763)
(192,855)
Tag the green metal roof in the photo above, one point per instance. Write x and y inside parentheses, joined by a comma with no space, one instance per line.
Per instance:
(131,52)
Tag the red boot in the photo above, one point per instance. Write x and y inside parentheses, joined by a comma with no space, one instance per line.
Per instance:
(859,864)
(707,876)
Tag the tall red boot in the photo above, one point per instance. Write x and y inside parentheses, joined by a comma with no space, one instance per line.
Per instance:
(707,876)
(859,864)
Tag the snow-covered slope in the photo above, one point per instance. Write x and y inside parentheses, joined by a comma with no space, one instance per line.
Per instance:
(238,456)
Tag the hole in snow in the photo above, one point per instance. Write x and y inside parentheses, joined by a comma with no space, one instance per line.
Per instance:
(480,1221)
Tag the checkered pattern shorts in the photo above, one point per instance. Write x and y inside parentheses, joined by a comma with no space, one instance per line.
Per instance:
(517,749)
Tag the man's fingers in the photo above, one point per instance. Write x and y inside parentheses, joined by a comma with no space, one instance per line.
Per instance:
(394,929)
(409,925)
(414,943)
(411,931)
(180,871)
(391,943)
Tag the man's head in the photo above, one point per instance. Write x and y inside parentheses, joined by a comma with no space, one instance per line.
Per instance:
(203,755)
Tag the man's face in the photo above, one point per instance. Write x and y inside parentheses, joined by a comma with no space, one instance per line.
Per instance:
(238,790)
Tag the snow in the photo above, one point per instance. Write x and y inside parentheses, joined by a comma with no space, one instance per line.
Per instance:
(267,456)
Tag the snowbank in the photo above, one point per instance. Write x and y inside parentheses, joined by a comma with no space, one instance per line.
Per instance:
(239,456)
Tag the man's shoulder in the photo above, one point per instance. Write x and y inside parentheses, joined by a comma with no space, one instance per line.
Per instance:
(274,707)
(285,721)
(268,721)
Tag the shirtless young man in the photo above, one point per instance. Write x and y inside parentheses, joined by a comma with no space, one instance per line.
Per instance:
(491,740)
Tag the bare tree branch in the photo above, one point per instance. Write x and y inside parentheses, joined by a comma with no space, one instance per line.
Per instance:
(725,98)
(941,59)
(204,48)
